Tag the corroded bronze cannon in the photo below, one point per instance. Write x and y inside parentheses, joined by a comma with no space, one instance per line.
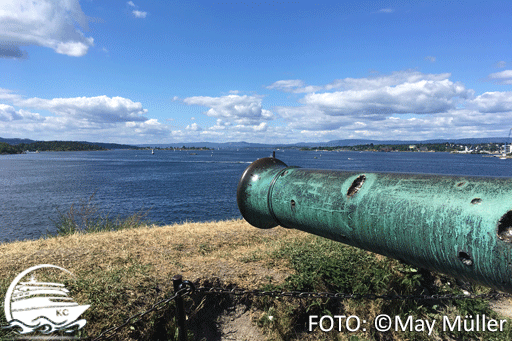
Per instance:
(460,226)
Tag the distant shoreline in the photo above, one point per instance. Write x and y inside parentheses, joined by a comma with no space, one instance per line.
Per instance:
(65,146)
(482,148)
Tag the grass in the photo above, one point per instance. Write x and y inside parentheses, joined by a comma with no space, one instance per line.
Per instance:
(123,271)
(322,265)
(84,216)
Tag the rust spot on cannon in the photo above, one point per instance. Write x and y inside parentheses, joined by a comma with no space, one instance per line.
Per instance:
(505,227)
(465,258)
(356,185)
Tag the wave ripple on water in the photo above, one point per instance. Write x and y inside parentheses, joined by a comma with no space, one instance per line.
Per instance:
(46,326)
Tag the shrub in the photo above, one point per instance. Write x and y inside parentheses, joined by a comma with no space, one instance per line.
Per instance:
(84,216)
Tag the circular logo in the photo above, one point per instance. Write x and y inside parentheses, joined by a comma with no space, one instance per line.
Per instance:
(32,305)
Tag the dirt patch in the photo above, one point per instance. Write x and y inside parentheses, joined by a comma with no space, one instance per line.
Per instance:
(237,324)
(503,306)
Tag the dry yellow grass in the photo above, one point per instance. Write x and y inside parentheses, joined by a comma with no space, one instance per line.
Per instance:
(225,249)
(124,272)
(135,266)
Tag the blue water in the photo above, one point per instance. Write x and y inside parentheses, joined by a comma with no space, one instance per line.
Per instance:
(176,186)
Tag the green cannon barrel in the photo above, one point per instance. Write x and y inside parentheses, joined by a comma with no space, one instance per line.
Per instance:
(461,226)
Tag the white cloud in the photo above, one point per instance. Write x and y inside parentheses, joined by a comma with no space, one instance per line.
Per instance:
(311,118)
(9,95)
(224,132)
(379,81)
(121,120)
(431,59)
(97,118)
(293,85)
(238,118)
(286,85)
(139,14)
(7,113)
(194,127)
(493,102)
(503,77)
(220,125)
(501,64)
(260,127)
(401,105)
(100,109)
(240,109)
(374,82)
(136,13)
(150,128)
(67,128)
(456,123)
(422,96)
(404,105)
(47,23)
(385,10)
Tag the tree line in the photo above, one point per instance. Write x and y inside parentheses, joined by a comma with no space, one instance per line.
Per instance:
(419,147)
(44,146)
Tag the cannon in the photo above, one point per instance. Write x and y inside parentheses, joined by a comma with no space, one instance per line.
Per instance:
(459,226)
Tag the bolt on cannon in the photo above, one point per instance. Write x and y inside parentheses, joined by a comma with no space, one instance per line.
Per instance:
(459,226)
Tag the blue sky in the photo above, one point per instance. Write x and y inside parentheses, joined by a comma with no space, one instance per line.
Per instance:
(274,71)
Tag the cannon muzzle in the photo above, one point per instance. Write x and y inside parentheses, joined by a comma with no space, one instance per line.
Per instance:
(460,226)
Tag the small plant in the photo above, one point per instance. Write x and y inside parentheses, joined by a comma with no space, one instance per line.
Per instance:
(84,216)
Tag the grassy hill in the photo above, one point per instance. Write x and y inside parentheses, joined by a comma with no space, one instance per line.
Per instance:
(121,273)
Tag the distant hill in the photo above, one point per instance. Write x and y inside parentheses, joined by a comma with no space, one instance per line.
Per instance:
(111,145)
(16,141)
(355,142)
(243,144)
(42,146)
(333,143)
(224,145)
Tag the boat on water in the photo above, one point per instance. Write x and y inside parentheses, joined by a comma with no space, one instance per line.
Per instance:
(152,151)
(32,300)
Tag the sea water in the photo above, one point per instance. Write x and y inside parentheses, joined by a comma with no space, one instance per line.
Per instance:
(177,186)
